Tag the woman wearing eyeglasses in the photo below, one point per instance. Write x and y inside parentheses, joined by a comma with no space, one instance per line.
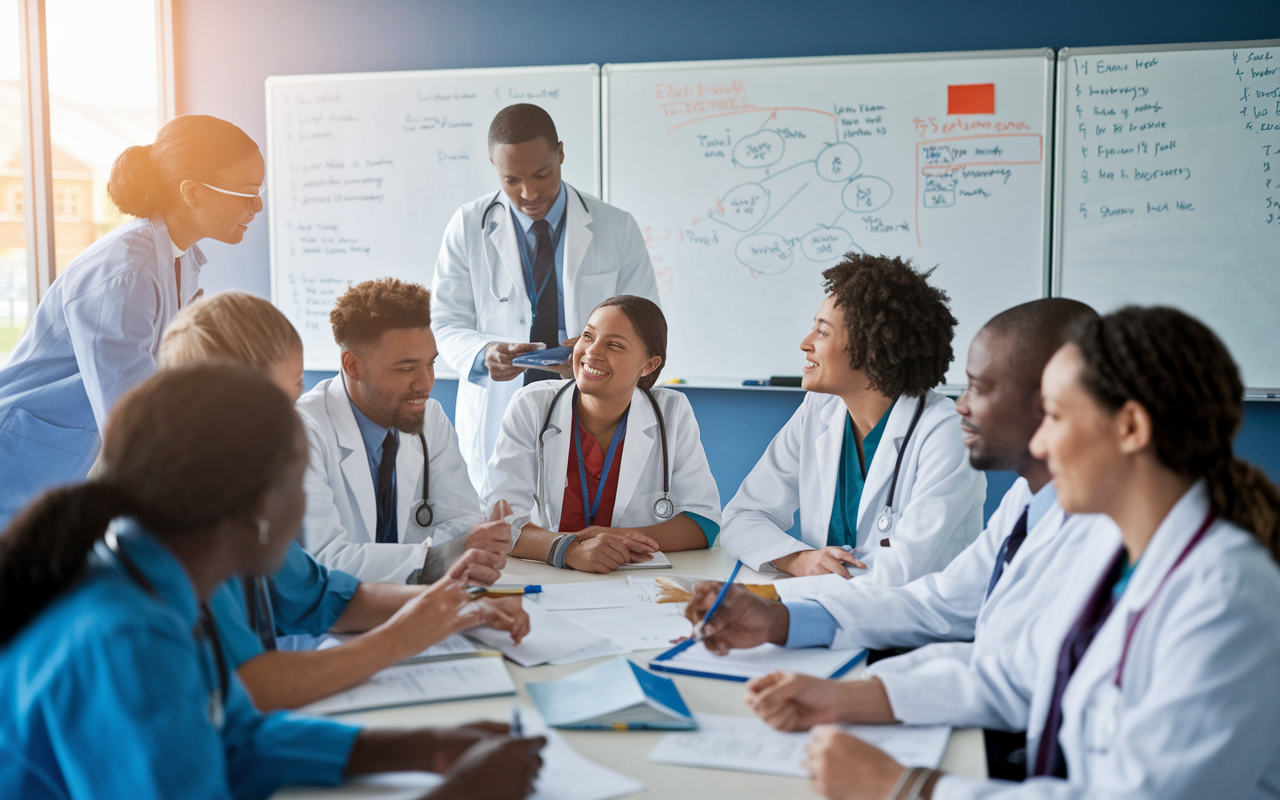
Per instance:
(97,330)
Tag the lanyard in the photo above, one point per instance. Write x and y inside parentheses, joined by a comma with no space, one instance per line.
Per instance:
(618,434)
(1136,616)
(526,260)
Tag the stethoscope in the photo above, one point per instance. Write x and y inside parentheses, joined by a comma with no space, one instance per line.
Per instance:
(216,709)
(496,202)
(663,508)
(885,521)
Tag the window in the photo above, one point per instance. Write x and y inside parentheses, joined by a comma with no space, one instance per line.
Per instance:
(13,233)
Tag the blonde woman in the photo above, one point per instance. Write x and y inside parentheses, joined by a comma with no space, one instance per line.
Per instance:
(305,597)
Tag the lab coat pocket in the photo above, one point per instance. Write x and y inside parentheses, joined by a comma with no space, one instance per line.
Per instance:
(595,288)
(1102,720)
(42,454)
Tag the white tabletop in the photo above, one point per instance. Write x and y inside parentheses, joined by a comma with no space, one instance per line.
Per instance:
(625,751)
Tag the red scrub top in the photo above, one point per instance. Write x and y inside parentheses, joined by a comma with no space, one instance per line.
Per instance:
(572,517)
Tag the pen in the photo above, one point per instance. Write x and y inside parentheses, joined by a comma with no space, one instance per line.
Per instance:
(517,727)
(697,629)
(503,591)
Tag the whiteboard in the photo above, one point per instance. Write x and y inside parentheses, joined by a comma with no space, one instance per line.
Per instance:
(1165,189)
(365,171)
(749,178)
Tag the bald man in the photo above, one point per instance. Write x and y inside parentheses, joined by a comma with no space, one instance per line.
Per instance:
(984,596)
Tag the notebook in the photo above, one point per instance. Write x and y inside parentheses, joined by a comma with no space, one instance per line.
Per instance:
(615,695)
(659,561)
(423,682)
(693,658)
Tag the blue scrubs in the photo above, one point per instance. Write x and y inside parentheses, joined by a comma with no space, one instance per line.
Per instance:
(306,598)
(94,337)
(106,695)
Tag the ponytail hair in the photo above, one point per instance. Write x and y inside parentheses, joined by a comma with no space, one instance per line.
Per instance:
(651,326)
(188,449)
(1183,375)
(144,179)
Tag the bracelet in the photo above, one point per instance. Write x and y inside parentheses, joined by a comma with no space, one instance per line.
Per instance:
(918,786)
(897,786)
(551,551)
(559,549)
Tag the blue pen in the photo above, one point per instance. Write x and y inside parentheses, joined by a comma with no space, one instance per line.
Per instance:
(697,629)
(517,726)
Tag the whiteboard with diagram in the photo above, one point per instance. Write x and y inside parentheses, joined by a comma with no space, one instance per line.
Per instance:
(749,178)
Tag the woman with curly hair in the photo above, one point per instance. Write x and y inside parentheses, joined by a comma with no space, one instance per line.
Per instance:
(873,459)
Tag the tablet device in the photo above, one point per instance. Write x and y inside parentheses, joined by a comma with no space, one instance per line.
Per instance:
(551,357)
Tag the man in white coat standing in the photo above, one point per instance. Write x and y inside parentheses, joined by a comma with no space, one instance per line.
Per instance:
(522,268)
(375,504)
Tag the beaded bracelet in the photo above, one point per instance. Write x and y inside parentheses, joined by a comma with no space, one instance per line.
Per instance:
(559,549)
(906,782)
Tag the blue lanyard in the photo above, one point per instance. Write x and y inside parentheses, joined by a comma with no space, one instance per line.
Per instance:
(526,260)
(618,434)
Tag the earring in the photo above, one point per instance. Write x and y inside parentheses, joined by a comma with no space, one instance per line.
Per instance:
(264,531)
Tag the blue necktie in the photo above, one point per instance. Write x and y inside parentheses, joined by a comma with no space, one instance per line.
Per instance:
(386,471)
(1009,549)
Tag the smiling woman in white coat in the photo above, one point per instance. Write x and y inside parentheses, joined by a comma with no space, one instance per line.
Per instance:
(609,468)
(1156,672)
(873,459)
(97,330)
(523,267)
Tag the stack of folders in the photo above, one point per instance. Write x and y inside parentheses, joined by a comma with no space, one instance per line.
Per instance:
(615,695)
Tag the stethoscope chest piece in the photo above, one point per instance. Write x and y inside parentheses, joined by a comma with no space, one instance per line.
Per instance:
(424,513)
(663,508)
(884,521)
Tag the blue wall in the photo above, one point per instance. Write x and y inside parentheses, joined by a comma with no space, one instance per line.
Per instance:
(226,48)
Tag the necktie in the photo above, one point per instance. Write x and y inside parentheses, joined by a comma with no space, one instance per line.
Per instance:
(386,471)
(546,314)
(1009,549)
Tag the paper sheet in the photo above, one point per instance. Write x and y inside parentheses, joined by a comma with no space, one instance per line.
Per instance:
(565,775)
(638,627)
(455,646)
(590,594)
(550,636)
(821,662)
(427,682)
(747,744)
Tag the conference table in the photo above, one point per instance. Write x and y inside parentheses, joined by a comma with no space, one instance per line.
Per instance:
(625,751)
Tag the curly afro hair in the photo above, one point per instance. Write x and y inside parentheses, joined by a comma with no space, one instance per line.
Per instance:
(900,328)
(367,310)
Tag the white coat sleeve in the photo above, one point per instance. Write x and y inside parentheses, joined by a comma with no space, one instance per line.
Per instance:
(693,487)
(513,467)
(456,504)
(758,517)
(1205,725)
(453,307)
(943,517)
(112,327)
(635,273)
(325,537)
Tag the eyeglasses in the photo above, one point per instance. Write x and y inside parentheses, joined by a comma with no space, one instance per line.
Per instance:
(261,194)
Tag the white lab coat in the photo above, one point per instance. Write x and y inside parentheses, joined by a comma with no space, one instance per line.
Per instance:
(340,528)
(94,336)
(1196,716)
(478,296)
(937,510)
(951,606)
(513,469)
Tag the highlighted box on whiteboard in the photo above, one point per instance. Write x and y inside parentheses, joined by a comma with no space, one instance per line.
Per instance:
(971,98)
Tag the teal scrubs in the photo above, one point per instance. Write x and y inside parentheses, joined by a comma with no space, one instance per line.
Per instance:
(106,695)
(851,476)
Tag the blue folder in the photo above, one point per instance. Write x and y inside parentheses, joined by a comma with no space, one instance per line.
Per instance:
(840,662)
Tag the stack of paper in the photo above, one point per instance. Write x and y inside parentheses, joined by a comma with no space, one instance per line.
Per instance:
(693,658)
(456,646)
(422,682)
(747,744)
(615,695)
(550,637)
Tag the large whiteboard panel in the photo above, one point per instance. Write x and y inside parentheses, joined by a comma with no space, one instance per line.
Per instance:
(365,171)
(751,177)
(1169,187)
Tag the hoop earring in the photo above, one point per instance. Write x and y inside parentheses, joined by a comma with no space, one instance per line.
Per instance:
(264,531)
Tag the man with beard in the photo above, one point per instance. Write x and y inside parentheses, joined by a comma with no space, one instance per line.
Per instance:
(388,498)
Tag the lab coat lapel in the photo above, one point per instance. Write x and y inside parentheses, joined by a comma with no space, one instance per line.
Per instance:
(828,436)
(355,460)
(875,488)
(409,467)
(556,455)
(503,253)
(577,237)
(642,429)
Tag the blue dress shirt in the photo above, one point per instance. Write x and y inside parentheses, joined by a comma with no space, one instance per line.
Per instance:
(105,695)
(812,625)
(306,598)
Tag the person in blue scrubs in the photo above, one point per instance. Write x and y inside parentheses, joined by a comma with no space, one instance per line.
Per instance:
(304,597)
(95,333)
(110,677)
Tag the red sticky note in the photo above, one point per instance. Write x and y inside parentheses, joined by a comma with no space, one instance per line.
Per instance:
(971,98)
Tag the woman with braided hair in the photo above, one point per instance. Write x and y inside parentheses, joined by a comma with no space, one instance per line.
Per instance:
(1157,675)
(111,674)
